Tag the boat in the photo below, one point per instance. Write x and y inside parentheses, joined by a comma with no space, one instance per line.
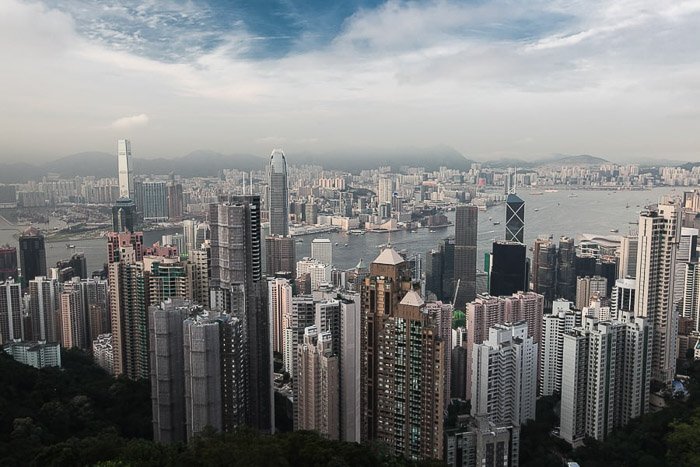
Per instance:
(497,223)
(537,209)
(336,243)
(346,244)
(551,191)
(300,241)
(70,245)
(614,230)
(431,230)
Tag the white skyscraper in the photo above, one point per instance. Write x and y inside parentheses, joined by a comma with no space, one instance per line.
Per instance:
(504,375)
(322,250)
(659,235)
(126,175)
(556,324)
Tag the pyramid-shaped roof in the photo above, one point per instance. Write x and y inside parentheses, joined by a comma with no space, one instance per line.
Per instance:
(389,256)
(412,298)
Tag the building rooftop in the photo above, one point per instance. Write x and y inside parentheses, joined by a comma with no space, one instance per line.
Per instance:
(412,298)
(389,256)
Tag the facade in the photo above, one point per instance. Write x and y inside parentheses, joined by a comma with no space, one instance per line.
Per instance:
(478,442)
(544,270)
(280,255)
(277,199)
(280,303)
(403,368)
(8,263)
(319,272)
(103,353)
(36,354)
(561,321)
(74,317)
(623,296)
(124,163)
(155,200)
(124,215)
(659,234)
(466,225)
(566,269)
(44,306)
(322,250)
(237,288)
(508,268)
(587,286)
(166,278)
(515,219)
(318,385)
(627,267)
(32,254)
(11,322)
(605,376)
(198,273)
(504,376)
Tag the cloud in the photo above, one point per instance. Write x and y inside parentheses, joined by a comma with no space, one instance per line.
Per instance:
(130,122)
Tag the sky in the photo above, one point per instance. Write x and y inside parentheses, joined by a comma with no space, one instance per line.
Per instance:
(492,79)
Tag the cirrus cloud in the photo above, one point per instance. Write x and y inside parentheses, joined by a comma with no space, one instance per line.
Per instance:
(132,121)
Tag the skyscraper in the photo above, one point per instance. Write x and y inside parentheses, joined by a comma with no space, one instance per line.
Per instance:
(628,257)
(403,363)
(560,321)
(126,176)
(319,385)
(32,254)
(659,234)
(11,326)
(566,269)
(280,255)
(238,288)
(74,318)
(44,308)
(508,268)
(8,263)
(515,219)
(280,303)
(277,201)
(123,215)
(322,250)
(544,270)
(587,286)
(466,226)
(155,200)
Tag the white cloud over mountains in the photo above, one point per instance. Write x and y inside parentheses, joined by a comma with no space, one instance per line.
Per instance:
(492,79)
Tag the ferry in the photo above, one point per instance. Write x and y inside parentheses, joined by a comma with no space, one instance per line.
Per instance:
(551,191)
(497,223)
(70,246)
(614,230)
(537,209)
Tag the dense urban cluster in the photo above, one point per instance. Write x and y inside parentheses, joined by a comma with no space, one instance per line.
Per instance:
(425,354)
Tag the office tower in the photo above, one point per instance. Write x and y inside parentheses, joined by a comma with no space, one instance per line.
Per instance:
(198,273)
(544,270)
(202,234)
(311,213)
(189,228)
(623,296)
(126,175)
(504,375)
(319,386)
(585,265)
(327,319)
(117,240)
(123,215)
(166,353)
(237,287)
(587,286)
(478,442)
(322,250)
(628,257)
(96,296)
(466,226)
(350,365)
(385,190)
(515,219)
(277,200)
(11,323)
(403,370)
(566,269)
(155,201)
(73,312)
(280,255)
(346,199)
(32,254)
(605,376)
(280,304)
(433,273)
(508,268)
(128,296)
(44,308)
(487,311)
(166,277)
(659,233)
(8,263)
(175,202)
(556,325)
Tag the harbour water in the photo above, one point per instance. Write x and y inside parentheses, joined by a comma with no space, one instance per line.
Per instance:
(559,213)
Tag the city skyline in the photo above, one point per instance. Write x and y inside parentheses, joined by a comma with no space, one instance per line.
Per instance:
(488,80)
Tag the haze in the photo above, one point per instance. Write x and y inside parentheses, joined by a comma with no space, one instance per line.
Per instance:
(492,79)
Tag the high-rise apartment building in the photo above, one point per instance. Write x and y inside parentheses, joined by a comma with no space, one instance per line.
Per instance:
(403,368)
(566,269)
(74,317)
(154,200)
(44,306)
(659,234)
(627,267)
(198,272)
(563,319)
(544,270)
(318,381)
(277,199)
(466,226)
(166,277)
(32,254)
(11,323)
(605,376)
(280,305)
(238,288)
(587,286)
(126,175)
(385,190)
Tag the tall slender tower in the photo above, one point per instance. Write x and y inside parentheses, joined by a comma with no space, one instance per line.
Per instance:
(277,201)
(32,254)
(237,288)
(515,219)
(659,234)
(126,176)
(466,226)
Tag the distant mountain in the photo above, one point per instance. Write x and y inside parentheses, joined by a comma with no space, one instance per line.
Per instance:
(431,158)
(562,159)
(17,172)
(99,164)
